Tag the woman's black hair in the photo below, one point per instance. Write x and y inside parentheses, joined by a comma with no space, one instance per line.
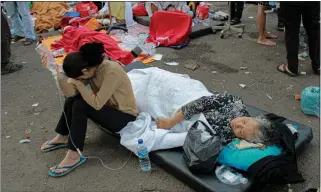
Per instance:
(89,55)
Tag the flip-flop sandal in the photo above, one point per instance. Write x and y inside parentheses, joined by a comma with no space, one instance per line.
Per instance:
(69,168)
(285,71)
(28,41)
(53,146)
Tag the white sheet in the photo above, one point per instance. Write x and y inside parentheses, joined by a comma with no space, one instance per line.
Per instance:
(160,94)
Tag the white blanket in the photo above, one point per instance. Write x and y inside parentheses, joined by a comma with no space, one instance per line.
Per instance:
(160,94)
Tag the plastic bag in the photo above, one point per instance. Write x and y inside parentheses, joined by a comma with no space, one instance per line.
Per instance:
(87,9)
(43,51)
(140,10)
(310,101)
(202,11)
(201,148)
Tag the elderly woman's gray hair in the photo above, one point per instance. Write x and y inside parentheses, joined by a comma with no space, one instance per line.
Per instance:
(265,133)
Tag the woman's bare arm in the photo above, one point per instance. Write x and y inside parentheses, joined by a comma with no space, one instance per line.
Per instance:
(170,122)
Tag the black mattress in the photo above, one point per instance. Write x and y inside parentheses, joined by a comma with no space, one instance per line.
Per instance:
(198,30)
(172,160)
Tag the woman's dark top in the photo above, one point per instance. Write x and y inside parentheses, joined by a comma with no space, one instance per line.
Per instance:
(219,110)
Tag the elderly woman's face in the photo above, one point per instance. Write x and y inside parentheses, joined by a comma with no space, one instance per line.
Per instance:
(244,127)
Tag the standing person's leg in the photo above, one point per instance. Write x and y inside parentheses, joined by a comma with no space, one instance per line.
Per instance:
(6,65)
(12,10)
(107,117)
(280,25)
(261,21)
(292,20)
(233,9)
(28,28)
(237,8)
(311,22)
(5,42)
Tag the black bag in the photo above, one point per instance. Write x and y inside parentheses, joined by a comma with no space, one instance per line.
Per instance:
(201,148)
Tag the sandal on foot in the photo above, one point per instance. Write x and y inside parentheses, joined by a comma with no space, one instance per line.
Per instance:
(286,71)
(53,146)
(17,38)
(69,168)
(28,41)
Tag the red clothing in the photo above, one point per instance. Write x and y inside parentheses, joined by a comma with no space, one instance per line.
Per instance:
(169,28)
(140,10)
(75,37)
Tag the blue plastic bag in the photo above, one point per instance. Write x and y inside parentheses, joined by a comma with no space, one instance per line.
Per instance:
(72,14)
(310,101)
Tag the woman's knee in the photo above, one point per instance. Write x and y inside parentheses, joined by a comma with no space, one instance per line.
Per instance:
(80,105)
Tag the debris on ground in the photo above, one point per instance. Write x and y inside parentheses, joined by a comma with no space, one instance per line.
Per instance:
(251,17)
(27,136)
(252,85)
(36,113)
(192,66)
(247,72)
(303,73)
(242,85)
(243,68)
(158,57)
(28,131)
(7,137)
(46,131)
(5,113)
(214,72)
(297,97)
(290,87)
(171,63)
(35,104)
(24,141)
(31,123)
(23,62)
(278,113)
(269,96)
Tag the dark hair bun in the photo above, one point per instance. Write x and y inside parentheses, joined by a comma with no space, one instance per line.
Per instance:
(93,53)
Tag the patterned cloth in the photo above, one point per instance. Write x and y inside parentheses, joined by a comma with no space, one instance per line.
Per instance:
(218,110)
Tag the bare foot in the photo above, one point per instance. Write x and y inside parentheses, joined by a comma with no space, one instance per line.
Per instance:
(59,139)
(266,42)
(270,36)
(71,159)
(164,123)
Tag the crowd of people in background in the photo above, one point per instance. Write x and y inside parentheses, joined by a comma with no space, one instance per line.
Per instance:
(289,20)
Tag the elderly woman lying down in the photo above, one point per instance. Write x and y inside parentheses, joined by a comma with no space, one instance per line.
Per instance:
(228,117)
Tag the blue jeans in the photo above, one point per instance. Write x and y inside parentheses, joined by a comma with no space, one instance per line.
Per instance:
(21,19)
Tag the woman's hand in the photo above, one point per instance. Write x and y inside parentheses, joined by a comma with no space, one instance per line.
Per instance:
(164,123)
(72,81)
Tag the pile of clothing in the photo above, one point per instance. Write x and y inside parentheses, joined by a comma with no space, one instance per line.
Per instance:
(48,15)
(74,37)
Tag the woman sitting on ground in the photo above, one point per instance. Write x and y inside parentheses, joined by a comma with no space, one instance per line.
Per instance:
(228,117)
(109,101)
